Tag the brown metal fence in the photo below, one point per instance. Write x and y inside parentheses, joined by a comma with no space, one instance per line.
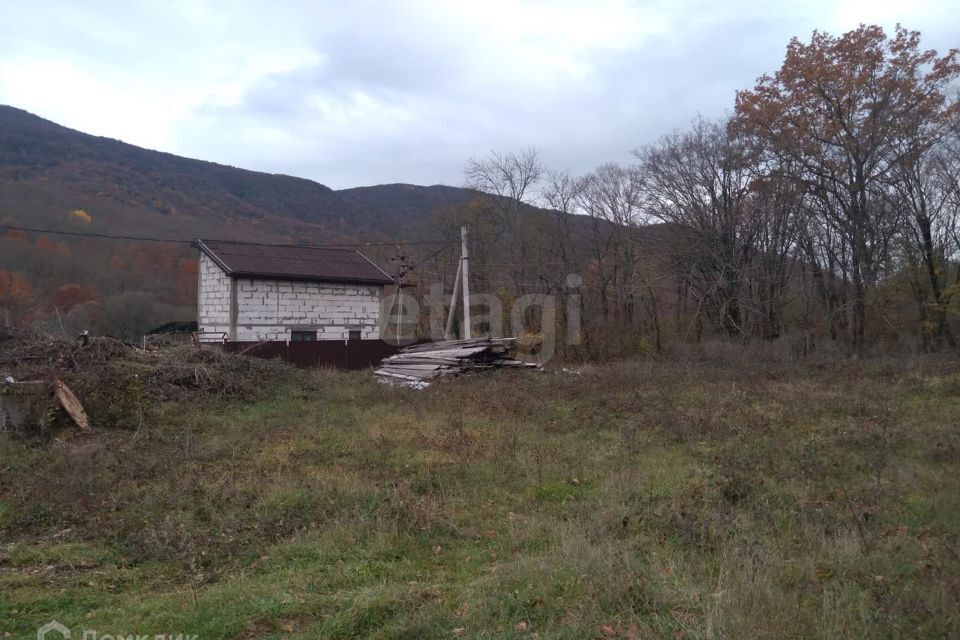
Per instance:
(341,354)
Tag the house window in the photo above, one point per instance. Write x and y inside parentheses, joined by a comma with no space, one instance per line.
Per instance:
(355,334)
(303,336)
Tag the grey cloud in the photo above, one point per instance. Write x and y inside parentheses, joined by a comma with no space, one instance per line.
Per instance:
(387,92)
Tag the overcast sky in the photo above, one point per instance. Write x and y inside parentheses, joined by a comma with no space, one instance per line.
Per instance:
(357,93)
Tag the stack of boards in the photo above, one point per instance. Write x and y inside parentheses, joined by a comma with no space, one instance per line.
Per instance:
(416,365)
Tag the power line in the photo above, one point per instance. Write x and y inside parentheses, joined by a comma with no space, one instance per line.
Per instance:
(11,227)
(494,266)
(432,255)
(87,234)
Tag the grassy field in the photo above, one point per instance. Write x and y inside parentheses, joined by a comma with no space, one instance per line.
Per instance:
(634,500)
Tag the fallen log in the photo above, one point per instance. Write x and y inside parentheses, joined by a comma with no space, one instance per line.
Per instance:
(71,405)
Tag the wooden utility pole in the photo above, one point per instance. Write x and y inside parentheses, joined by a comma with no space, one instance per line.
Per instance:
(402,269)
(465,272)
(447,335)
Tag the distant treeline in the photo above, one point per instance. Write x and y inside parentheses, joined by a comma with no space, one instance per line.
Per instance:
(104,286)
(823,214)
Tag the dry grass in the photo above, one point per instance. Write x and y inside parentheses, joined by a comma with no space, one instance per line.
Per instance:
(689,499)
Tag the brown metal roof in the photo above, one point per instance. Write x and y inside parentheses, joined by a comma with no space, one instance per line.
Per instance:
(288,262)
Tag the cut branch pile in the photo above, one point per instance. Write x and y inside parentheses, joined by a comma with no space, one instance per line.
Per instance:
(416,365)
(104,383)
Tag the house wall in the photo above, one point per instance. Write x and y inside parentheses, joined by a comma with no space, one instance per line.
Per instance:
(270,309)
(265,310)
(213,301)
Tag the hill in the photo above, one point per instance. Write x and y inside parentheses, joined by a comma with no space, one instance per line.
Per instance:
(47,170)
(53,177)
(394,206)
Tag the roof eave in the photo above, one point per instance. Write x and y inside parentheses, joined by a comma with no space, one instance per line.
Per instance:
(386,275)
(212,255)
(296,278)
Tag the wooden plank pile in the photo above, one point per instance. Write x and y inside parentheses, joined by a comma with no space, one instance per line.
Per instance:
(416,365)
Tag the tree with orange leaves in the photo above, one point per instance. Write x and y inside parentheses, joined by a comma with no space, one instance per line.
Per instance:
(843,113)
(47,245)
(67,296)
(81,216)
(16,294)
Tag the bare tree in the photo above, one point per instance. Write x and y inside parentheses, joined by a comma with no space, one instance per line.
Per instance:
(776,207)
(509,180)
(561,195)
(559,245)
(924,185)
(611,197)
(699,181)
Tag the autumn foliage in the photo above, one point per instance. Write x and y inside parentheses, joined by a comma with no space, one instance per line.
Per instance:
(48,245)
(14,288)
(68,296)
(843,116)
(16,297)
(105,286)
(824,215)
(81,216)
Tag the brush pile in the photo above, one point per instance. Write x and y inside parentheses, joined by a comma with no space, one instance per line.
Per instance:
(119,384)
(416,365)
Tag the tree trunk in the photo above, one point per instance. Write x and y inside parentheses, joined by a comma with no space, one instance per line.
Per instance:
(942,329)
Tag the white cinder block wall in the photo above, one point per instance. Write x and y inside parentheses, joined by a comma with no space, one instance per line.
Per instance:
(271,309)
(213,300)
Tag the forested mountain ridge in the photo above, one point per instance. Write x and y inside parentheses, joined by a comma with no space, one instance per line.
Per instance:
(396,205)
(41,162)
(53,177)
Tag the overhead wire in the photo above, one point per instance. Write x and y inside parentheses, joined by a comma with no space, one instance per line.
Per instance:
(88,234)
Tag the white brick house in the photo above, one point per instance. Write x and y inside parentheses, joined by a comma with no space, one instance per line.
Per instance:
(252,292)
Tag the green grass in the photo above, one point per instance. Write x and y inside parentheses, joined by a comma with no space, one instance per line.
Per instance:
(638,500)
